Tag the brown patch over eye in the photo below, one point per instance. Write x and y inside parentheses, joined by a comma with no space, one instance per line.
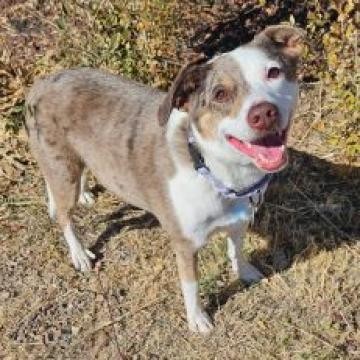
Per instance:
(221,94)
(273,73)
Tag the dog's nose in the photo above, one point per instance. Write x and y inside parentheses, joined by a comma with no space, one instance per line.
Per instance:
(263,116)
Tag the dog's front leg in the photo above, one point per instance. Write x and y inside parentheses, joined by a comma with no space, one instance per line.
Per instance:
(241,267)
(198,319)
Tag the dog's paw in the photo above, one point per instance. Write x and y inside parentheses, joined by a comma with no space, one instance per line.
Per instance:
(52,211)
(81,258)
(86,198)
(249,273)
(200,322)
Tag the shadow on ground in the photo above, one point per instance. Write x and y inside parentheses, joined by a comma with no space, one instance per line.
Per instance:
(312,206)
(126,217)
(243,24)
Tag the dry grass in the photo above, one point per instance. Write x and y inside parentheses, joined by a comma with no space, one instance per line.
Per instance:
(305,238)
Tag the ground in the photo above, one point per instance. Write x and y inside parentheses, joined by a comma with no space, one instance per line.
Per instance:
(305,239)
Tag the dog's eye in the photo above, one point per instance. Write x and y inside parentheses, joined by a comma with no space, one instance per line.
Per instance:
(221,94)
(274,72)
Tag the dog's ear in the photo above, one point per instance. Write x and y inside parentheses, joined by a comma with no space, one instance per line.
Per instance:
(288,39)
(190,79)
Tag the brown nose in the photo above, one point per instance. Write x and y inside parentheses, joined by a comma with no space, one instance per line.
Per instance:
(263,116)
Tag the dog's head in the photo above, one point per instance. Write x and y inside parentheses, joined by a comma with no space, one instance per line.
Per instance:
(240,103)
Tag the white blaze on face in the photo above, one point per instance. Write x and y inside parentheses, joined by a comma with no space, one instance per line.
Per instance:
(237,141)
(254,64)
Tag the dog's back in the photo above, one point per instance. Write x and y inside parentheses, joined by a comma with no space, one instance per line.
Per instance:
(89,117)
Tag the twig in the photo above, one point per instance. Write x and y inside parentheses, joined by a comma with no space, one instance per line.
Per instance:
(356,63)
(310,83)
(169,61)
(22,203)
(12,160)
(282,207)
(16,343)
(325,342)
(111,317)
(42,18)
(119,318)
(318,117)
(325,218)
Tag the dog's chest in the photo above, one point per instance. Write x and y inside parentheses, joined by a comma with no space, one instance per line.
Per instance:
(200,210)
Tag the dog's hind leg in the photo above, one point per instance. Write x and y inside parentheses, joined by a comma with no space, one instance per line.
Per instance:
(62,171)
(59,163)
(241,267)
(85,196)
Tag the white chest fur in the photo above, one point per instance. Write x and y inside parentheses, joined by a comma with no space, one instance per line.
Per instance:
(200,210)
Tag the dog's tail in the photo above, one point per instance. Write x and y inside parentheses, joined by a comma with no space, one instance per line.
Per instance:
(32,103)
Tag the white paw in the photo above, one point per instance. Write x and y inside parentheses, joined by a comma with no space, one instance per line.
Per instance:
(86,198)
(81,258)
(52,211)
(200,322)
(249,273)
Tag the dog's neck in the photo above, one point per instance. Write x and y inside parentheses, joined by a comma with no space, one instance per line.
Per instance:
(233,175)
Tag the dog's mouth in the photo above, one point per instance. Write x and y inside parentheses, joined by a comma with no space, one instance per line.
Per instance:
(268,153)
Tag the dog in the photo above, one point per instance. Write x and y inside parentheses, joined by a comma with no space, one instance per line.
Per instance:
(198,157)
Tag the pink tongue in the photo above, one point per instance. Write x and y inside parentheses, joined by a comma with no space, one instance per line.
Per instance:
(273,153)
(267,157)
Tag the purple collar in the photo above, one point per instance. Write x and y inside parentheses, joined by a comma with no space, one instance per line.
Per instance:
(255,190)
